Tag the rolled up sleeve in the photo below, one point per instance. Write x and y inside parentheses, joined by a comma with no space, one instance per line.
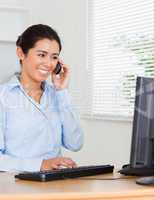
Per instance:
(72,134)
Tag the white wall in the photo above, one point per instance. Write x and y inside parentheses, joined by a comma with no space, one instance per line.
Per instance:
(105,141)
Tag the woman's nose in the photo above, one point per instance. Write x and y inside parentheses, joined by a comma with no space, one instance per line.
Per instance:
(48,61)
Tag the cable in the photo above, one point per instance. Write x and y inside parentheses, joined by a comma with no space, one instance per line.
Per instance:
(105,179)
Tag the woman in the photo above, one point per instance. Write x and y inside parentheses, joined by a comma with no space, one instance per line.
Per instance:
(37,118)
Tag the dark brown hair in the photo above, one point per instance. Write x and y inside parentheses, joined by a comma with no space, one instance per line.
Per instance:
(34,33)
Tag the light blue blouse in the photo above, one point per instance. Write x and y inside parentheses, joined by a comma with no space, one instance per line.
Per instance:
(31,132)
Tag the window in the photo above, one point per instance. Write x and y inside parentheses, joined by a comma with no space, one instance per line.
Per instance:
(120,47)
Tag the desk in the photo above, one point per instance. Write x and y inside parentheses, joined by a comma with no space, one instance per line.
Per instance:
(74,189)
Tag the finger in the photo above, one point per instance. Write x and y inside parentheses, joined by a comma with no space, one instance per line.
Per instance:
(70,162)
(62,164)
(61,61)
(63,64)
(55,166)
(65,71)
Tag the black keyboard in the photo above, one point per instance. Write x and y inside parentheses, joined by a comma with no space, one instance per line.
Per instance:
(65,173)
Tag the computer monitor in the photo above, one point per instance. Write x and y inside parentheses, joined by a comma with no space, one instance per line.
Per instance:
(142,147)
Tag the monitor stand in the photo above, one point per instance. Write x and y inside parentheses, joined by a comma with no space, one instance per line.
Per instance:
(142,171)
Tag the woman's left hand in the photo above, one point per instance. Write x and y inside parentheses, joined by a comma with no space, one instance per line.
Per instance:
(61,80)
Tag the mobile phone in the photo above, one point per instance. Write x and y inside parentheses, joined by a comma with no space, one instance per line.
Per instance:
(58,68)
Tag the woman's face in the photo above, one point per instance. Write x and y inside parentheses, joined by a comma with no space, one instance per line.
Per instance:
(40,61)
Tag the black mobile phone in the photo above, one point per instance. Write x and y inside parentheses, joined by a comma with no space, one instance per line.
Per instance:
(58,68)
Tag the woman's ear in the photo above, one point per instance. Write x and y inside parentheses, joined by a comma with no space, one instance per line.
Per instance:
(20,53)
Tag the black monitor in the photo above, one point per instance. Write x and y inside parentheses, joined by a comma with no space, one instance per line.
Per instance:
(142,147)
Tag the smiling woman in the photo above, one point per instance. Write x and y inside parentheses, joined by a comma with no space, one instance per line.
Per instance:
(42,119)
(40,61)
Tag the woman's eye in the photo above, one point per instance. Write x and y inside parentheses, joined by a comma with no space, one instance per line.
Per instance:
(55,58)
(41,55)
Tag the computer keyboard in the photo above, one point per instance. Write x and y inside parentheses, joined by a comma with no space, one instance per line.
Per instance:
(65,173)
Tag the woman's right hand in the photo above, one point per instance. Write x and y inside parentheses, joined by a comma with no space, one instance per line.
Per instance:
(56,163)
(61,81)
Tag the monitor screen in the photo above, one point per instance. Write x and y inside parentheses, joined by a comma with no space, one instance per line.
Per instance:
(142,147)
